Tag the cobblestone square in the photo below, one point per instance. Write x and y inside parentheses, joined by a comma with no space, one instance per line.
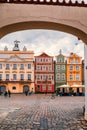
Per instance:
(41,112)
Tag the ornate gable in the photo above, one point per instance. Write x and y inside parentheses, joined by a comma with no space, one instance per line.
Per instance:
(44,55)
(14,58)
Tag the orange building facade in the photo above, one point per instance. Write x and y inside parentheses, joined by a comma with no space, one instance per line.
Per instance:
(74,71)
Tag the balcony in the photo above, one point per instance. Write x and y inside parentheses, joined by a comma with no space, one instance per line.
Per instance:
(21,81)
(14,68)
(44,82)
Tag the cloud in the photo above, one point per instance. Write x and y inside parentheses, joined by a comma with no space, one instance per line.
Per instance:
(45,41)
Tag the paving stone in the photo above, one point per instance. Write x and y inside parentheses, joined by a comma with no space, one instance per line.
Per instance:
(44,123)
(41,112)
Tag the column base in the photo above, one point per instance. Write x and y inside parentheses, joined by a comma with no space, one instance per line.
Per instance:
(85,116)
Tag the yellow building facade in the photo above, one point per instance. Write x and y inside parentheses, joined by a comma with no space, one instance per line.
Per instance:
(74,71)
(16,70)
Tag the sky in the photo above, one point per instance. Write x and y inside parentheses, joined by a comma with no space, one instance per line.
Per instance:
(47,41)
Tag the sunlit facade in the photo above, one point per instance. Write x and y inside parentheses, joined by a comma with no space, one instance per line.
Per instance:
(16,70)
(74,71)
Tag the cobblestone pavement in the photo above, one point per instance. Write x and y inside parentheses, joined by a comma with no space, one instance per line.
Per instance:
(41,112)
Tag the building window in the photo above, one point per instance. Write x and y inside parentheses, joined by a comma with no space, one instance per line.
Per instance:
(71,68)
(0,76)
(43,67)
(58,67)
(71,77)
(7,66)
(77,77)
(44,60)
(49,60)
(77,67)
(63,76)
(21,66)
(43,87)
(22,76)
(7,76)
(0,66)
(63,67)
(49,87)
(49,77)
(49,68)
(38,67)
(57,76)
(14,88)
(29,66)
(71,61)
(76,61)
(60,60)
(38,59)
(14,76)
(29,76)
(14,66)
(44,77)
(38,77)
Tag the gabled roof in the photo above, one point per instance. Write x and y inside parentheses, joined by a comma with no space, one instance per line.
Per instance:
(43,55)
(59,55)
(73,55)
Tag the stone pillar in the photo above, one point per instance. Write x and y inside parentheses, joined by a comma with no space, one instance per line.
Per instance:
(85,78)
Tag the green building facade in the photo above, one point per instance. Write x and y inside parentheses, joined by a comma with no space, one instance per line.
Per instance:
(60,70)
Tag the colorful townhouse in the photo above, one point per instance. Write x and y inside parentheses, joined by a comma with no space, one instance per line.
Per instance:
(74,72)
(60,70)
(16,70)
(44,74)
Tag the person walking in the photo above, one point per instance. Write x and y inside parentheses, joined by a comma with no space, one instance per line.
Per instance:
(26,92)
(5,94)
(9,93)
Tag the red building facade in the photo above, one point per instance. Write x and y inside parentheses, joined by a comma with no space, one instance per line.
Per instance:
(44,73)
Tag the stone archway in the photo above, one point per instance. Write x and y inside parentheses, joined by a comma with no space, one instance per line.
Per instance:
(43,25)
(14,17)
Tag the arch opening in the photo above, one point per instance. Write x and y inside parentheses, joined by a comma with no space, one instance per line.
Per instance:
(43,25)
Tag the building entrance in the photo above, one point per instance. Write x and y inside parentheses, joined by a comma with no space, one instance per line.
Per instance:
(2,89)
(26,88)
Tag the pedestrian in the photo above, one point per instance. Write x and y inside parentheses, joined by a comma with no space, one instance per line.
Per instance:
(26,92)
(5,94)
(9,93)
